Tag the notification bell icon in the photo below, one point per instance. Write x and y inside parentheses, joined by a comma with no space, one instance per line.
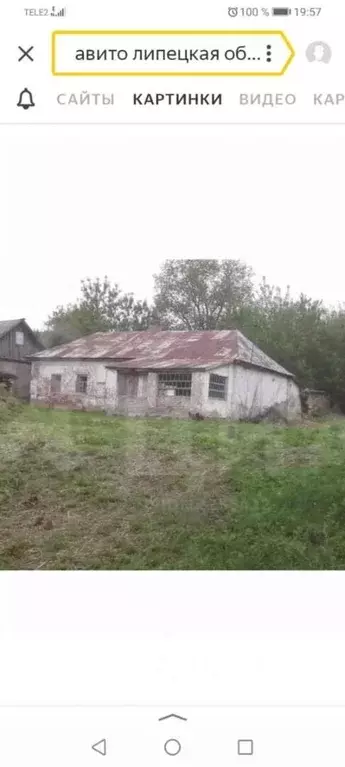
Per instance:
(25,99)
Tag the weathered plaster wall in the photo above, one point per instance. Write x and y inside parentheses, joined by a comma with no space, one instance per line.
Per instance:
(217,408)
(95,397)
(249,391)
(294,400)
(255,390)
(150,402)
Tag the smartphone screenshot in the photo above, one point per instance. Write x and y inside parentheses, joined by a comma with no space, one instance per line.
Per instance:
(172,396)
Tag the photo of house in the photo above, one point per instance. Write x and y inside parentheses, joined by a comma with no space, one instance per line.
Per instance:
(218,374)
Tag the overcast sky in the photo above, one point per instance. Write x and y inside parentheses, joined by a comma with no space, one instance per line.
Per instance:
(101,203)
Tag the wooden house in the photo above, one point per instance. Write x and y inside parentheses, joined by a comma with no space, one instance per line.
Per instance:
(17,343)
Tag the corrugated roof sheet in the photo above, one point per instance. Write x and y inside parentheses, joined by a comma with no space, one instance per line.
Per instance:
(166,349)
(7,325)
(250,354)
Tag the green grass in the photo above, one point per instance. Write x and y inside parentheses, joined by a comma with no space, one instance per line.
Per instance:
(83,491)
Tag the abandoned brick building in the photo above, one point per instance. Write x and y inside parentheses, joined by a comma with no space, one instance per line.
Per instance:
(176,373)
(17,341)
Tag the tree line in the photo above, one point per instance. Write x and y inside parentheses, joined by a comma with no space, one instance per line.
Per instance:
(302,334)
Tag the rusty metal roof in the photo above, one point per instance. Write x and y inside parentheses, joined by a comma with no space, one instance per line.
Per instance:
(147,349)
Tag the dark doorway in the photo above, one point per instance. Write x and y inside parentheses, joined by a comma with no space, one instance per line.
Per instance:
(128,384)
(7,380)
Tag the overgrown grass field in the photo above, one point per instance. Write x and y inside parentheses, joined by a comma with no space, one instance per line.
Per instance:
(83,491)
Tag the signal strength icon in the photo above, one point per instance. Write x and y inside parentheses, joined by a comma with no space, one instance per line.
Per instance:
(61,12)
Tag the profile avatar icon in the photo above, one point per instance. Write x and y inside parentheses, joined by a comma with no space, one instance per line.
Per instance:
(319,52)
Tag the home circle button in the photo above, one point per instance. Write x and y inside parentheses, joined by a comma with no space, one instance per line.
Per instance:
(172,747)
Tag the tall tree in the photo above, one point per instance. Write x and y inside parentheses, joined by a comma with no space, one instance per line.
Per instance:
(100,307)
(288,329)
(201,294)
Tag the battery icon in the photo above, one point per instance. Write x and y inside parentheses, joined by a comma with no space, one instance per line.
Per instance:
(281,11)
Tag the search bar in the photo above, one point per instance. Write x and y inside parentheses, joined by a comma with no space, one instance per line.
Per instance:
(170,53)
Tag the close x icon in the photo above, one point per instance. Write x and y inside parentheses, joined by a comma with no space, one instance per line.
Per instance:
(25,54)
